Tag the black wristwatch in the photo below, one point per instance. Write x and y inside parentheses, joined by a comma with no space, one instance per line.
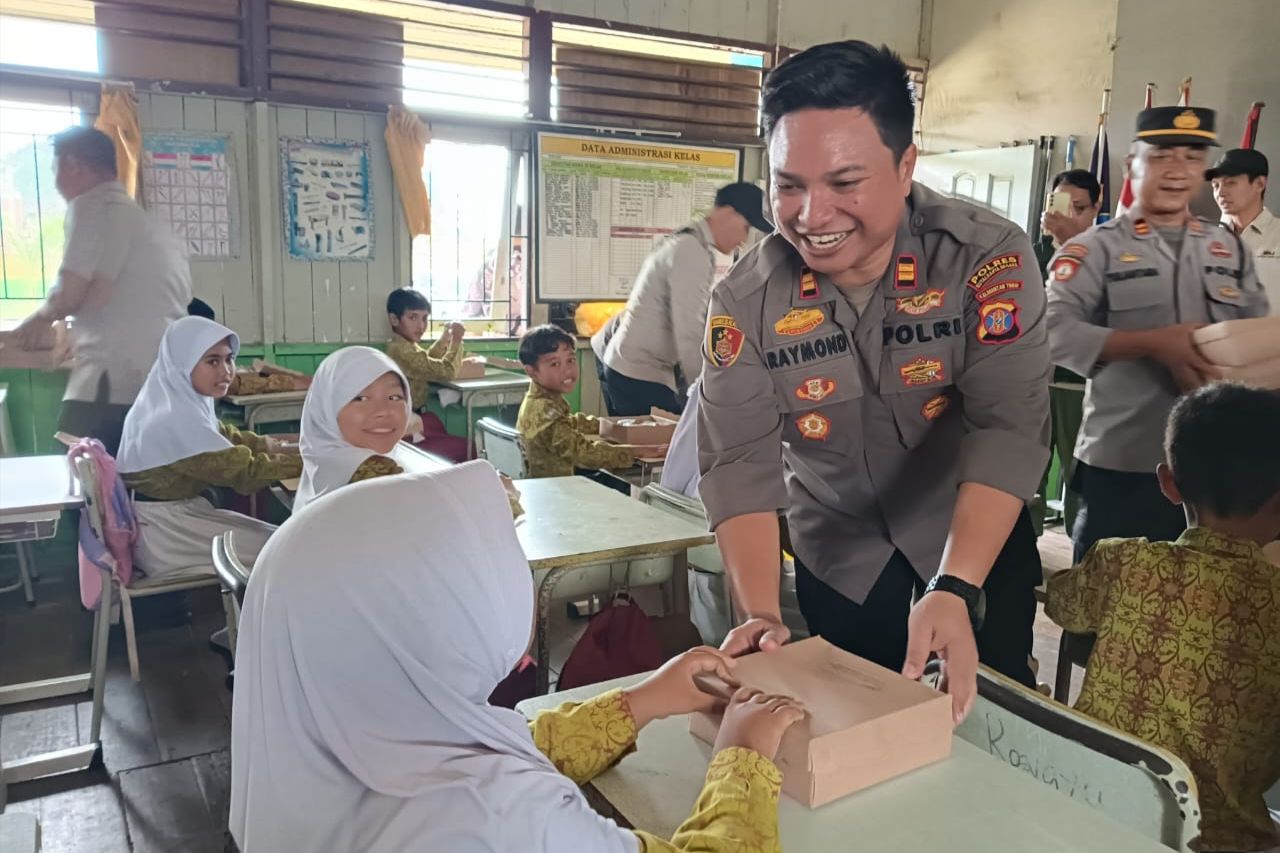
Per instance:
(973,596)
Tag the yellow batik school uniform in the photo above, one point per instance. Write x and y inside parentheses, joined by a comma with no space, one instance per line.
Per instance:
(557,440)
(420,366)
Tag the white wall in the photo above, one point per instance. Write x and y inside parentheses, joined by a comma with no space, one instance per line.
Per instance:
(1231,50)
(1005,70)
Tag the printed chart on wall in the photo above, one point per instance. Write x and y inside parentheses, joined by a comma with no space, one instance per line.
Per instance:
(187,182)
(603,203)
(328,209)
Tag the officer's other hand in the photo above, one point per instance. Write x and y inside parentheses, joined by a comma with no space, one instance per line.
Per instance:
(757,634)
(1061,227)
(1172,346)
(940,623)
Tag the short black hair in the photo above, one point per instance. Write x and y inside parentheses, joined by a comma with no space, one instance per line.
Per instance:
(1081,178)
(541,340)
(840,75)
(200,308)
(404,299)
(1221,443)
(89,145)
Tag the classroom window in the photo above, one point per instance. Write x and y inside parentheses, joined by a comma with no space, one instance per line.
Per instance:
(70,44)
(31,211)
(472,265)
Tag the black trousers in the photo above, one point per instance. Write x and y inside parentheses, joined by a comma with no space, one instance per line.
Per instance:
(97,419)
(877,628)
(1121,504)
(624,396)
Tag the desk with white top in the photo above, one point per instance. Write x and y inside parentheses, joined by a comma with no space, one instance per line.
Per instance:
(496,388)
(272,408)
(969,803)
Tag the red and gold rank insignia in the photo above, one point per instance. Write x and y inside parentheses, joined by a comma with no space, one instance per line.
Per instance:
(724,340)
(933,409)
(809,285)
(814,426)
(921,303)
(922,370)
(998,323)
(799,321)
(816,388)
(905,279)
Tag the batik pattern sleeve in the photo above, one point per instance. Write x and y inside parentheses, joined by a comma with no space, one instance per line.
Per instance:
(1075,598)
(583,739)
(374,467)
(239,468)
(737,811)
(244,438)
(585,424)
(1005,380)
(421,368)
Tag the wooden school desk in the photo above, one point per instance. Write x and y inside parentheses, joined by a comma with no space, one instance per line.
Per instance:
(495,388)
(276,407)
(573,523)
(35,492)
(969,803)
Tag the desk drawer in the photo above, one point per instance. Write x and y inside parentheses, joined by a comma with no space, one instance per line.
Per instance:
(26,531)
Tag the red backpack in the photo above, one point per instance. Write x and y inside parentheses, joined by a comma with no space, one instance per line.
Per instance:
(619,640)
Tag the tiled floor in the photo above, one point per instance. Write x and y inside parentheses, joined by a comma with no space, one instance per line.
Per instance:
(164,783)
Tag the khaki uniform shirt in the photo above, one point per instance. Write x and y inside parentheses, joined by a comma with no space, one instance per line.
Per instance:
(862,428)
(245,467)
(1122,276)
(1262,237)
(556,440)
(424,366)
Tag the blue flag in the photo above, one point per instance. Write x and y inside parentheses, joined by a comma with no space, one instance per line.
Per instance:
(1100,166)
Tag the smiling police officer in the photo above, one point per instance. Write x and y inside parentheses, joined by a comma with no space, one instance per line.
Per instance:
(879,370)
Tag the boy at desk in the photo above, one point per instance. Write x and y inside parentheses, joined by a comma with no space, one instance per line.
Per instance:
(555,440)
(408,312)
(1188,632)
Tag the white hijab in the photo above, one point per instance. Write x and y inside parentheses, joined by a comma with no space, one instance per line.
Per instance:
(171,420)
(372,634)
(328,459)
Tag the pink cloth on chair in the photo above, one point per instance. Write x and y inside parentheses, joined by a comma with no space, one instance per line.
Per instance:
(114,551)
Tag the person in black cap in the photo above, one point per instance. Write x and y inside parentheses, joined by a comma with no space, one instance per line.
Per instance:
(650,353)
(1124,298)
(1240,188)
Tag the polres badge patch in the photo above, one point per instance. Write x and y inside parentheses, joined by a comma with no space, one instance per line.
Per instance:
(814,426)
(998,322)
(724,340)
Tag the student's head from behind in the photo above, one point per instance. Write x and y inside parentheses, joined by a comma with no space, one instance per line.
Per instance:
(408,312)
(358,397)
(838,121)
(200,308)
(549,356)
(1223,459)
(84,157)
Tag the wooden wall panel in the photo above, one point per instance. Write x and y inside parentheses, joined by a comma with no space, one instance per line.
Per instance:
(353,276)
(326,298)
(390,266)
(295,276)
(241,290)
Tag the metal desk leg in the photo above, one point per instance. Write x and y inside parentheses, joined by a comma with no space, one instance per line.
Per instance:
(470,403)
(680,582)
(545,591)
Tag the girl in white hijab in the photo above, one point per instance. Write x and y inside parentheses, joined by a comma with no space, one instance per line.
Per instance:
(174,448)
(372,634)
(356,412)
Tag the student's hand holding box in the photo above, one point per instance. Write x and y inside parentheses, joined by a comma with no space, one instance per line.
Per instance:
(673,688)
(757,721)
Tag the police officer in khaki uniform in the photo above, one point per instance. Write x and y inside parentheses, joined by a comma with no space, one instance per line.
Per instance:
(879,371)
(1124,298)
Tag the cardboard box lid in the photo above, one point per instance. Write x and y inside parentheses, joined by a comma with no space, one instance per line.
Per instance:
(1230,328)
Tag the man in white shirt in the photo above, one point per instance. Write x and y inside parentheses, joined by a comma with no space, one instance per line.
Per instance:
(649,354)
(124,278)
(1240,188)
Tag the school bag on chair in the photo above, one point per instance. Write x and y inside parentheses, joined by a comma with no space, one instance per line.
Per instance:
(619,640)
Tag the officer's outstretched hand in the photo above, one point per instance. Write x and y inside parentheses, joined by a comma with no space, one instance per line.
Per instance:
(757,634)
(940,623)
(1173,347)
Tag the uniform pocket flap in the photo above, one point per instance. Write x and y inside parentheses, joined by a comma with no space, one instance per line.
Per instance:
(1128,295)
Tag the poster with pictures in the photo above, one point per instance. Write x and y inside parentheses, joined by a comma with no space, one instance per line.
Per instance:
(328,207)
(187,183)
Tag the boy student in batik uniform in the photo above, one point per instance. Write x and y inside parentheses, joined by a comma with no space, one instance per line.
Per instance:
(1188,632)
(174,448)
(555,440)
(408,312)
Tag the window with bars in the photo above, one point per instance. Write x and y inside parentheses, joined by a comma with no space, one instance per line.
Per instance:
(472,265)
(31,211)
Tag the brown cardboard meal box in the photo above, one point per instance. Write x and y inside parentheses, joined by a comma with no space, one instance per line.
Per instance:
(1263,374)
(1240,343)
(657,427)
(470,368)
(51,352)
(864,724)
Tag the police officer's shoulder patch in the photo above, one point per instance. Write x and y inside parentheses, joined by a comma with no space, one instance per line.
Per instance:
(998,322)
(724,340)
(1064,269)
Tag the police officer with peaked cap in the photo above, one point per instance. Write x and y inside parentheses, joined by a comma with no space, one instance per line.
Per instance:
(879,370)
(1124,298)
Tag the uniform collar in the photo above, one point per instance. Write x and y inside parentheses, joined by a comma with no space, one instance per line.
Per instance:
(537,392)
(1138,226)
(1264,220)
(702,231)
(1204,539)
